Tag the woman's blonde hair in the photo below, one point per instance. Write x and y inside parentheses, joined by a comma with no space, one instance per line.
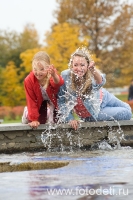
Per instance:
(86,82)
(42,57)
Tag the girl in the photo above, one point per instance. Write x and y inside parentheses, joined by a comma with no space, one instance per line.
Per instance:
(41,87)
(82,93)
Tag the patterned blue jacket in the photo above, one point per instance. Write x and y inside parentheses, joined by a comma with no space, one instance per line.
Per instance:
(67,98)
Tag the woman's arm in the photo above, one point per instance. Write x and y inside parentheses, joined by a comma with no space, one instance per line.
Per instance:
(96,74)
(98,79)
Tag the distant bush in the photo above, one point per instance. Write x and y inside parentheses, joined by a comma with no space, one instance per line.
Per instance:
(11,113)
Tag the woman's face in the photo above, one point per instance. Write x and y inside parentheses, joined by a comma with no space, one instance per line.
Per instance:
(40,69)
(79,66)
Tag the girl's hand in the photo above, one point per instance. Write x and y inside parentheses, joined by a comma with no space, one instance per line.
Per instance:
(74,124)
(52,70)
(34,124)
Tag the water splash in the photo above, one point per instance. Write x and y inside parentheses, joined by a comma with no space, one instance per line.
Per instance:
(48,137)
(105,146)
(55,141)
(115,136)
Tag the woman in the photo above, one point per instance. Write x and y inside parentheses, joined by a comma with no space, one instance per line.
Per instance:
(41,88)
(82,93)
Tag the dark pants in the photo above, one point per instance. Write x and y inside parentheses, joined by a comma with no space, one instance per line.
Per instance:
(43,113)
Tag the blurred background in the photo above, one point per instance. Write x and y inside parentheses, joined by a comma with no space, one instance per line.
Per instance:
(59,27)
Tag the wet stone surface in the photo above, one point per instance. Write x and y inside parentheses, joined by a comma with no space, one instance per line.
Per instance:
(27,166)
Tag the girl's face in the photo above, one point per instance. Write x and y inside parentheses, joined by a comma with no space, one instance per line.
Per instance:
(40,69)
(79,66)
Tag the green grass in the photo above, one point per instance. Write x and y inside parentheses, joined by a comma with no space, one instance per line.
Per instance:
(122,97)
(6,121)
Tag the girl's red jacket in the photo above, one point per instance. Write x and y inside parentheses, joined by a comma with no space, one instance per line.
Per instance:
(34,97)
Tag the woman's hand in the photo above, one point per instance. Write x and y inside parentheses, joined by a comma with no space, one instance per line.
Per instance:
(34,124)
(91,67)
(95,72)
(74,124)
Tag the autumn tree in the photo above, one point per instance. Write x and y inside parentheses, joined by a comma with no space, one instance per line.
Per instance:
(61,42)
(1,81)
(12,92)
(126,57)
(8,42)
(12,44)
(117,59)
(29,38)
(108,23)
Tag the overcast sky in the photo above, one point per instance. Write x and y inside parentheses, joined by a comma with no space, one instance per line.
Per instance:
(15,14)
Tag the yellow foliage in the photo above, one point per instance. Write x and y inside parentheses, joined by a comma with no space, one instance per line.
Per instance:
(62,42)
(12,91)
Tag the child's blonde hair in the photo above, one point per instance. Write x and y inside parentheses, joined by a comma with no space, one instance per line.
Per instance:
(42,57)
(86,80)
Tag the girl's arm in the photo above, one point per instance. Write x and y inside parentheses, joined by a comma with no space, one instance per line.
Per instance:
(33,112)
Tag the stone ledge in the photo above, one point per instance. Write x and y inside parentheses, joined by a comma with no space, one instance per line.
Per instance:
(18,137)
(20,126)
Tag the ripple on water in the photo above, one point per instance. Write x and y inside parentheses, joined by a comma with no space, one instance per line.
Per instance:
(86,170)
